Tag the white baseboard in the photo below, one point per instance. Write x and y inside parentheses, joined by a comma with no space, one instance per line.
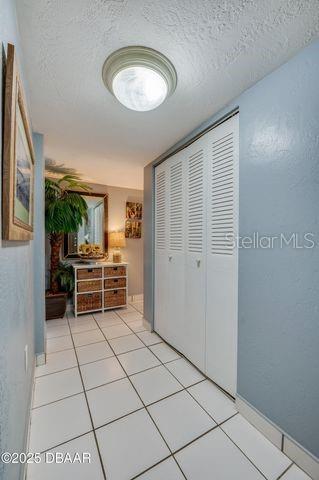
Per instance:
(260,422)
(137,298)
(301,457)
(40,359)
(304,459)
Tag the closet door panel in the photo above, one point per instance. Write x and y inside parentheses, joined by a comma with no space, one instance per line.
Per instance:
(176,252)
(161,290)
(222,256)
(195,281)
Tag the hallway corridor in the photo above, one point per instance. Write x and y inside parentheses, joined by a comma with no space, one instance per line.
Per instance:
(114,390)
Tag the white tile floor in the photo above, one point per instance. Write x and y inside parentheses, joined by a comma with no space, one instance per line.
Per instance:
(114,390)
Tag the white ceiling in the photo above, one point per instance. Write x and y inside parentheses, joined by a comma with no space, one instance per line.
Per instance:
(218,47)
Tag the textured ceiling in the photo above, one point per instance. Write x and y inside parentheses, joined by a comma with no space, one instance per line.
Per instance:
(219,48)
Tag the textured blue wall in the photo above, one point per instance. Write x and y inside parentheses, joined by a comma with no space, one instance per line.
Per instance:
(278,351)
(278,370)
(16,309)
(39,245)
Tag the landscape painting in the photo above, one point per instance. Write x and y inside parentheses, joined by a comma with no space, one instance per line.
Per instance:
(18,159)
(23,176)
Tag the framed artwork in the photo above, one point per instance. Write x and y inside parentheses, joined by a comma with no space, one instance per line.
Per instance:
(133,229)
(134,210)
(18,159)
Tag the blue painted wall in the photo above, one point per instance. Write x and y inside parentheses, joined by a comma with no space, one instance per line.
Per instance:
(278,351)
(17,311)
(278,355)
(39,246)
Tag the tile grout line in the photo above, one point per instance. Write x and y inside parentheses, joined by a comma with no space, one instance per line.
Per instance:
(217,425)
(111,382)
(155,465)
(152,420)
(196,368)
(56,371)
(183,388)
(88,407)
(67,441)
(58,399)
(285,471)
(250,461)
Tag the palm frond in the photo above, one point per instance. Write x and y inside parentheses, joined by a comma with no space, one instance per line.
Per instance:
(65,210)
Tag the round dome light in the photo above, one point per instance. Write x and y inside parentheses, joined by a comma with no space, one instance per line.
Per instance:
(139,77)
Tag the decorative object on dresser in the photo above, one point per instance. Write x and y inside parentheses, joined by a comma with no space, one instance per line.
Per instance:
(18,158)
(65,211)
(117,241)
(91,252)
(100,287)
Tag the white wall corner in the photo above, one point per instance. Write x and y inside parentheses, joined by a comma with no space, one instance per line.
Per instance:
(147,325)
(259,421)
(40,359)
(301,457)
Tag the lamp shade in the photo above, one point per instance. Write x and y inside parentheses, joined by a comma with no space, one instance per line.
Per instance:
(117,239)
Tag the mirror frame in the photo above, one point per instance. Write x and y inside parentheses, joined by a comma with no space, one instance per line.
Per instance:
(106,226)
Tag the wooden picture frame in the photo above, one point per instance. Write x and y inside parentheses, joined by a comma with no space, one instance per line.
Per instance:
(18,159)
(69,238)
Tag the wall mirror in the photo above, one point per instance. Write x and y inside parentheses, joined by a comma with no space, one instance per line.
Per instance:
(95,230)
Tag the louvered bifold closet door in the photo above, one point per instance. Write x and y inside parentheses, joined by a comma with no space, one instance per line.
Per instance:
(222,256)
(161,290)
(195,217)
(176,251)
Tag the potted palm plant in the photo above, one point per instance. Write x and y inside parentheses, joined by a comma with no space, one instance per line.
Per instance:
(65,211)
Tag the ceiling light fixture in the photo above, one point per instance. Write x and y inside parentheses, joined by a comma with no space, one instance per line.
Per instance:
(139,77)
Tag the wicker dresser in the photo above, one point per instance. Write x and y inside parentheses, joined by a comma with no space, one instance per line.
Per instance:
(99,286)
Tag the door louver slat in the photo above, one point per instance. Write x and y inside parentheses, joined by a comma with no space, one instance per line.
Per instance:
(222,196)
(176,207)
(195,211)
(160,221)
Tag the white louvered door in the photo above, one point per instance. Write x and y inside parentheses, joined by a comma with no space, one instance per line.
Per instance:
(222,256)
(161,289)
(176,251)
(195,264)
(196,261)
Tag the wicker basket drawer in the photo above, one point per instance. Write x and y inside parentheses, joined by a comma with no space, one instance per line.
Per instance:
(114,298)
(84,273)
(115,271)
(89,285)
(89,301)
(114,283)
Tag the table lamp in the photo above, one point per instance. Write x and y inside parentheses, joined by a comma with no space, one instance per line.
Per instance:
(117,241)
